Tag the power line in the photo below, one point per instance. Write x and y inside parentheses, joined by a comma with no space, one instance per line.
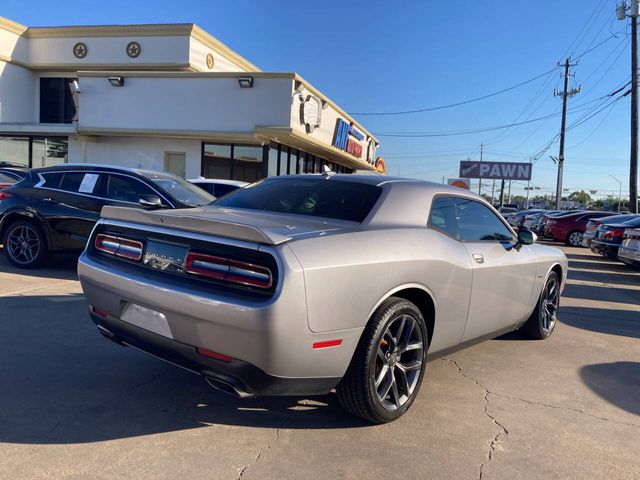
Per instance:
(457,104)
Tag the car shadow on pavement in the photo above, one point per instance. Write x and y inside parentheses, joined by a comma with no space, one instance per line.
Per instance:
(616,382)
(625,323)
(622,278)
(602,293)
(604,266)
(63,267)
(63,383)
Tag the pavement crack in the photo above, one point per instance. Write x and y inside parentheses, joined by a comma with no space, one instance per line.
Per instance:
(244,468)
(502,434)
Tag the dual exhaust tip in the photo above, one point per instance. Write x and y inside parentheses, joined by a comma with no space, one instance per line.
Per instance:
(227,387)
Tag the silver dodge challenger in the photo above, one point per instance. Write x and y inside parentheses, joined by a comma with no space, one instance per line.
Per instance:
(301,284)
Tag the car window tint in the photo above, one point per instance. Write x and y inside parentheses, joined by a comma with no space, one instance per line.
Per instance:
(476,222)
(221,190)
(6,179)
(125,189)
(443,217)
(52,180)
(317,197)
(71,181)
(183,191)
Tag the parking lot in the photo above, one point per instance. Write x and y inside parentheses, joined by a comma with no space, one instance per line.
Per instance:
(74,405)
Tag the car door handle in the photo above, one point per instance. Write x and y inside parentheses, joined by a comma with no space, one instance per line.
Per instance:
(49,200)
(478,257)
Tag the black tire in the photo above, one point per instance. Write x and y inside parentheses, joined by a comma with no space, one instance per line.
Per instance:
(357,390)
(574,238)
(539,326)
(32,233)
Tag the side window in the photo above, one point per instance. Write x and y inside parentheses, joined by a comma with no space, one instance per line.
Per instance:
(80,182)
(125,189)
(478,223)
(221,190)
(442,216)
(52,180)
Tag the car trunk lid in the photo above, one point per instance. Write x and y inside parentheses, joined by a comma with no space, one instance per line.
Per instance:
(248,225)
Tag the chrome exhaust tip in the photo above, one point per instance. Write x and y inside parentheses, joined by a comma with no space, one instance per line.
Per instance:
(227,387)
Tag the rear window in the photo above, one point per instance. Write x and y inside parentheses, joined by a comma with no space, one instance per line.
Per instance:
(313,197)
(6,179)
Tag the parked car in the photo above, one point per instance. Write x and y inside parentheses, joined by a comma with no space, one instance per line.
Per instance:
(538,226)
(10,174)
(569,228)
(301,284)
(54,209)
(609,237)
(531,219)
(594,223)
(217,187)
(629,251)
(517,219)
(506,211)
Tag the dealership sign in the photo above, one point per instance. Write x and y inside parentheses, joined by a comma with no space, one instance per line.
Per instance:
(345,138)
(496,170)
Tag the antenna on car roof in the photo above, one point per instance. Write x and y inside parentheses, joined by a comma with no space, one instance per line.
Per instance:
(328,172)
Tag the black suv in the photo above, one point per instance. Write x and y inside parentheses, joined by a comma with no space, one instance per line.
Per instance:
(54,209)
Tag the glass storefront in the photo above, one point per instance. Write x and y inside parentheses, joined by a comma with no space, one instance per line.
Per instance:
(247,162)
(34,152)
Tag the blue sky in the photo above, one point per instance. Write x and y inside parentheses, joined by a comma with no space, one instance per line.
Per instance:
(378,56)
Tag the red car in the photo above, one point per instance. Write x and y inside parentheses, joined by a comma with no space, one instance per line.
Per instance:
(569,228)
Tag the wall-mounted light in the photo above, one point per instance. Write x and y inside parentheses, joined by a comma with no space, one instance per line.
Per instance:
(75,87)
(245,82)
(116,81)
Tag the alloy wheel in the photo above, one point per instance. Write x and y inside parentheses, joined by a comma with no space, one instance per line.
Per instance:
(398,362)
(23,244)
(549,305)
(575,239)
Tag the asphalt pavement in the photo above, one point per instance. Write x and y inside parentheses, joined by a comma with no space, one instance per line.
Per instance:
(74,405)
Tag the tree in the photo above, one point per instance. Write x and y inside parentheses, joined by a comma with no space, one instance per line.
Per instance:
(581,198)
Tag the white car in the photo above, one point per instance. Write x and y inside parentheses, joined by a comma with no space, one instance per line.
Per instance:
(629,251)
(216,186)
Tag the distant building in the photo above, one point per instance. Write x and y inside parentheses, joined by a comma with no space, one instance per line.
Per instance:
(165,97)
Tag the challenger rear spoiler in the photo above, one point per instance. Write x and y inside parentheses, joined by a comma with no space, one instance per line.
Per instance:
(181,220)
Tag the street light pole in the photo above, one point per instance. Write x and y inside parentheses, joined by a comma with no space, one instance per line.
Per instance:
(621,14)
(619,191)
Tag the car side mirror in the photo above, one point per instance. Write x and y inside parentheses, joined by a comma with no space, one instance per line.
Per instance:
(525,237)
(152,201)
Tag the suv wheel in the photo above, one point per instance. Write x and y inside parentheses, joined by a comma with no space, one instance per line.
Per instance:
(388,365)
(25,245)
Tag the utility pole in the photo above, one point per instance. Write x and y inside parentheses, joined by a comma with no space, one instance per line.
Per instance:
(621,14)
(565,93)
(493,192)
(502,193)
(480,180)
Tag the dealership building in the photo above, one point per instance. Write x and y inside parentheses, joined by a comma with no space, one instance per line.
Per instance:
(165,97)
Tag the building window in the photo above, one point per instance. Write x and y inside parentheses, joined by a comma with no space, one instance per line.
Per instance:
(247,163)
(47,151)
(57,103)
(34,152)
(284,160)
(216,161)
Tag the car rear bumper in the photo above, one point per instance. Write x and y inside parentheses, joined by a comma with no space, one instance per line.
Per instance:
(629,256)
(271,335)
(605,248)
(235,376)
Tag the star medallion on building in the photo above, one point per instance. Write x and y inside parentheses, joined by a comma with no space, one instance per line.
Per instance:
(133,49)
(80,50)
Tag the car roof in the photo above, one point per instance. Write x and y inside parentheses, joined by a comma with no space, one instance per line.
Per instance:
(220,181)
(105,168)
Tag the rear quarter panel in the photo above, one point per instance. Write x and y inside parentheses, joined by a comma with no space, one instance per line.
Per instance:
(348,275)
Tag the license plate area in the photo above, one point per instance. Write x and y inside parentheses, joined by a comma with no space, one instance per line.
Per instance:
(147,319)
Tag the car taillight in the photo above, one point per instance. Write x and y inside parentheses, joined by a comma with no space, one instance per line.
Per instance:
(613,233)
(120,247)
(4,195)
(228,270)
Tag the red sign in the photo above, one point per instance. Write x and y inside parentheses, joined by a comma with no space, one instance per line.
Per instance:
(354,148)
